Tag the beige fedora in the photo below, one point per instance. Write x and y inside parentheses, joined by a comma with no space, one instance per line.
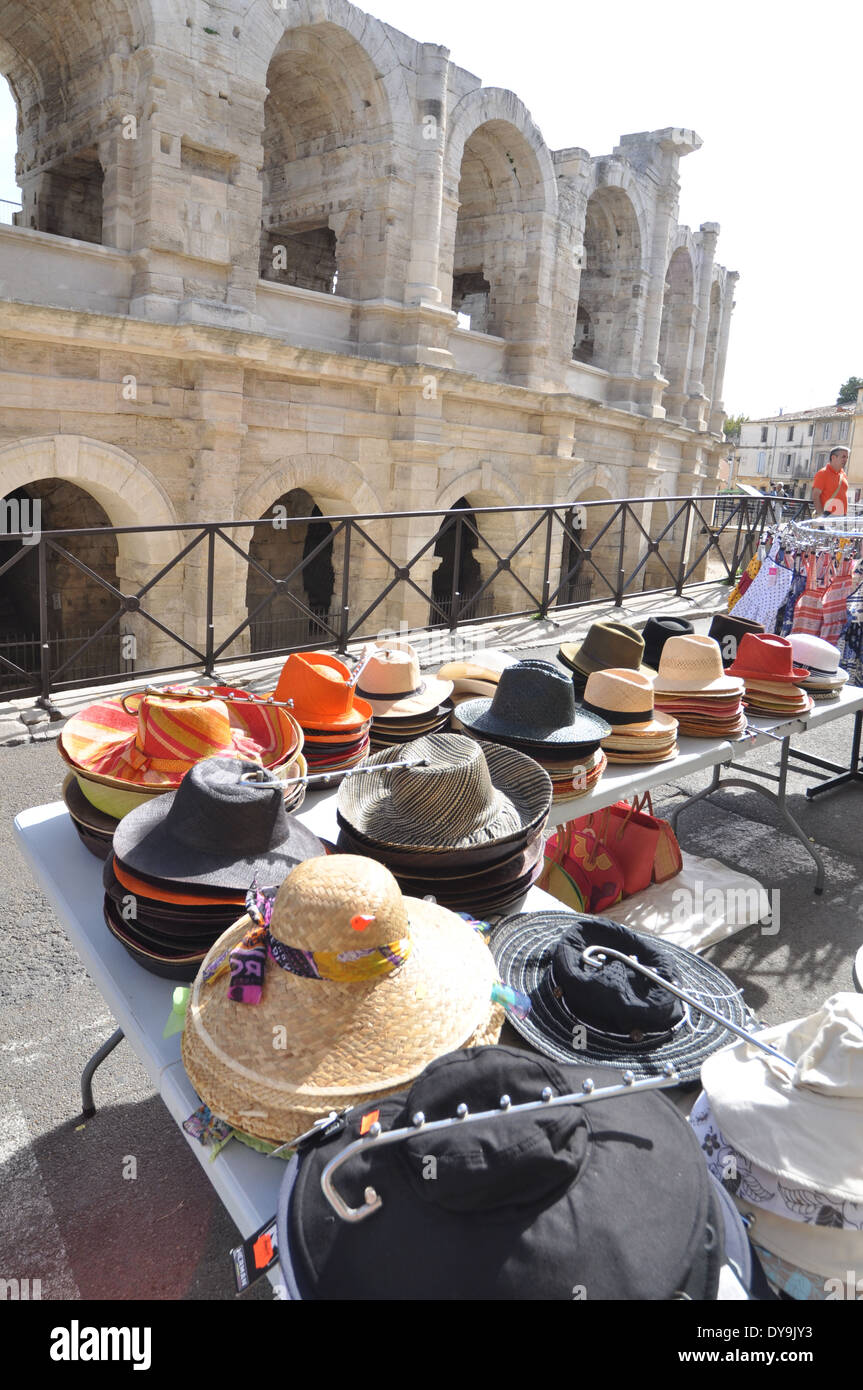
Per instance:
(347,1012)
(392,683)
(477,674)
(694,664)
(625,699)
(802,1122)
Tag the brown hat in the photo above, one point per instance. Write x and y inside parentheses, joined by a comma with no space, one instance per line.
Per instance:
(606,644)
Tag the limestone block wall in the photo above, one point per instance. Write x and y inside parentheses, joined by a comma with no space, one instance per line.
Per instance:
(251,227)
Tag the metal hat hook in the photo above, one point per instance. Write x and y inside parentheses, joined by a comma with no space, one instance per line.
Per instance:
(597,956)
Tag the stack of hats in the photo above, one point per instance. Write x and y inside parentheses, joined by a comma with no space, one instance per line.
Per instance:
(727,631)
(366,987)
(655,634)
(404,703)
(183,864)
(639,734)
(460,822)
(335,721)
(127,750)
(784,1137)
(692,686)
(476,675)
(607,644)
(534,711)
(609,1200)
(766,664)
(820,660)
(612,1015)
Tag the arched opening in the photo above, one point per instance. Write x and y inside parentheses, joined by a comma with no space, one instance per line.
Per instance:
(495,269)
(10,195)
(589,547)
(460,552)
(675,333)
(607,319)
(322,119)
(77,606)
(303,553)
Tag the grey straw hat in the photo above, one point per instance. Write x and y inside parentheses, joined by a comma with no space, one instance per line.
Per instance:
(467,794)
(535,702)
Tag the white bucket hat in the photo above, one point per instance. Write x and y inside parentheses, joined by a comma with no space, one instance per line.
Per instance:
(802,1122)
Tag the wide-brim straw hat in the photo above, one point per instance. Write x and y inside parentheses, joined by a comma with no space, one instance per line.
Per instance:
(392,683)
(468,794)
(148,742)
(535,703)
(524,947)
(803,1122)
(115,802)
(476,673)
(84,812)
(344,1041)
(624,699)
(694,664)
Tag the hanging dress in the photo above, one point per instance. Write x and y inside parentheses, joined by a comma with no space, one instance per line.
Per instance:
(766,594)
(744,581)
(835,606)
(798,584)
(808,615)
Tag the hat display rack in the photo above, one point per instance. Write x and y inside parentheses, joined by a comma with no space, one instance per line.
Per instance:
(595,956)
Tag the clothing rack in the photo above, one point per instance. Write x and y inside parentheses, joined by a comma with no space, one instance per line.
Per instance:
(594,956)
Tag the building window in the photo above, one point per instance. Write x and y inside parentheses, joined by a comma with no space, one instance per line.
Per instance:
(762,461)
(763,434)
(811,428)
(843,429)
(821,460)
(826,430)
(790,434)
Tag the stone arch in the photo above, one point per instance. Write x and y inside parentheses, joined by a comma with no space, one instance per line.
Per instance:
(328,186)
(677,327)
(126,492)
(486,487)
(336,484)
(611,285)
(499,192)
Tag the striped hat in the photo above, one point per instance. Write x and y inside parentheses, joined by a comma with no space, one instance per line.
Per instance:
(151,741)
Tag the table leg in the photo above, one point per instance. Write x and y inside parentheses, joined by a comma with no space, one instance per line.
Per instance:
(691,800)
(88,1109)
(853,772)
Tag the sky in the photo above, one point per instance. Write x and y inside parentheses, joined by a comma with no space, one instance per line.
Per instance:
(773,91)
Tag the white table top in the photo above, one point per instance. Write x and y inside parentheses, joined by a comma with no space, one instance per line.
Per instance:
(822,712)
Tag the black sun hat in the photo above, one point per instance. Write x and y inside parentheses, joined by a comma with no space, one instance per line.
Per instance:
(609,1200)
(534,704)
(613,1016)
(216,829)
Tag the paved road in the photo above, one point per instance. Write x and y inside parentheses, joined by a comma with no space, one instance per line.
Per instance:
(68,1215)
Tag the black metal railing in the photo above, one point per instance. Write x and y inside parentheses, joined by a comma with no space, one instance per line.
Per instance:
(532,560)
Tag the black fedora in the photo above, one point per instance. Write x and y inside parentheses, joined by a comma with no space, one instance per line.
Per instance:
(613,1016)
(612,1198)
(656,633)
(216,829)
(534,703)
(727,631)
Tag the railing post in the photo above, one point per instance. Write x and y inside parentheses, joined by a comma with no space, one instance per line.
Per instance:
(621,573)
(210,637)
(456,575)
(44,645)
(681,568)
(346,588)
(546,580)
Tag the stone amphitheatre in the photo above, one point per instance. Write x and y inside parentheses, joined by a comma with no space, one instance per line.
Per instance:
(277,254)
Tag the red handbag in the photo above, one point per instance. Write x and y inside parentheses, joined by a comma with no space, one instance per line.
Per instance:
(581,871)
(643,845)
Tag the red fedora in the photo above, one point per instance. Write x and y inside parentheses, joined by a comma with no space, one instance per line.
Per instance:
(763,657)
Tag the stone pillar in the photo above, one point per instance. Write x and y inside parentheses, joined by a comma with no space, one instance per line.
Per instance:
(697,406)
(423,277)
(717,408)
(664,219)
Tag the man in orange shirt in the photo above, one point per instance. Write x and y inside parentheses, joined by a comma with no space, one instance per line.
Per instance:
(830,485)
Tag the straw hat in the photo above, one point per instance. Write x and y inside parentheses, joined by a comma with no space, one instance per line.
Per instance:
(534,703)
(763,657)
(625,700)
(474,675)
(802,1122)
(468,794)
(323,696)
(694,664)
(147,743)
(422,986)
(393,685)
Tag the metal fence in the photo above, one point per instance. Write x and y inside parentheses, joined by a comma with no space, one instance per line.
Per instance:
(561,556)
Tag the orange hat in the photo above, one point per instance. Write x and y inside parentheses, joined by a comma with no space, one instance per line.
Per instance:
(320,687)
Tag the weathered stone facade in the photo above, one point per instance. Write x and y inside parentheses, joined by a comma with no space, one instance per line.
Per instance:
(247,232)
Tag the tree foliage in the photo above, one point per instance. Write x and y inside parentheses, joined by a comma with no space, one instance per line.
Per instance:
(733,425)
(848,390)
